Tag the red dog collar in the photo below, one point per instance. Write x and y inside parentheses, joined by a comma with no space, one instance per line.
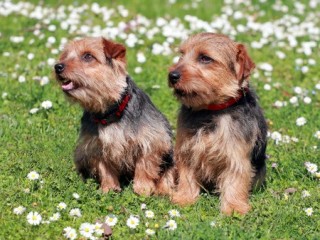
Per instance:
(114,114)
(216,107)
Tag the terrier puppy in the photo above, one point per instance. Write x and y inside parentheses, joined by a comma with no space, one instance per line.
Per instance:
(122,132)
(221,132)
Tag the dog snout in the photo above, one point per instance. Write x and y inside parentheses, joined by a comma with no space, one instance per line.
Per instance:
(174,77)
(59,67)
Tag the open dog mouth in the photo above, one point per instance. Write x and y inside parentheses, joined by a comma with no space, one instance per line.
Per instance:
(66,84)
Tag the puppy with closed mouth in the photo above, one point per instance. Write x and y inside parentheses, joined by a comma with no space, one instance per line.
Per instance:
(221,133)
(122,133)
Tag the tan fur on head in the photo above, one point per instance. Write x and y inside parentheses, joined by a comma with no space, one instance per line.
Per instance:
(214,82)
(97,68)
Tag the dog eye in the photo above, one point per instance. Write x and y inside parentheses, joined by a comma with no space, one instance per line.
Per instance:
(205,59)
(87,57)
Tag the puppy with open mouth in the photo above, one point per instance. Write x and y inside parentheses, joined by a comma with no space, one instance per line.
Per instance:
(122,132)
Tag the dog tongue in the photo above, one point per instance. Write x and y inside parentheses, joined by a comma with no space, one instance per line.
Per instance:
(67,86)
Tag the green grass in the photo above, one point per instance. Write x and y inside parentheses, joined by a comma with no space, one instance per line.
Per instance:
(45,141)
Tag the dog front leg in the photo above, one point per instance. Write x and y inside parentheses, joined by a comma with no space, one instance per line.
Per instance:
(234,190)
(109,179)
(145,175)
(165,185)
(188,188)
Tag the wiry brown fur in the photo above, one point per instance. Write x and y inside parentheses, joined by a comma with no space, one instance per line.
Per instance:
(135,145)
(216,148)
(214,83)
(94,79)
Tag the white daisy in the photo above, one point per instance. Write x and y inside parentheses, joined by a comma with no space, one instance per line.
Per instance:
(143,206)
(55,217)
(133,222)
(301,121)
(86,230)
(266,67)
(276,136)
(33,175)
(61,206)
(16,39)
(309,211)
(297,90)
(175,59)
(138,70)
(30,56)
(19,210)
(52,28)
(311,167)
(34,218)
(26,190)
(75,212)
(98,229)
(213,224)
(305,69)
(305,194)
(22,79)
(44,81)
(150,231)
(171,225)
(76,195)
(51,40)
(33,110)
(278,104)
(51,61)
(141,58)
(46,104)
(317,134)
(111,220)
(280,54)
(174,213)
(70,233)
(307,100)
(4,95)
(267,87)
(149,214)
(294,100)
(299,61)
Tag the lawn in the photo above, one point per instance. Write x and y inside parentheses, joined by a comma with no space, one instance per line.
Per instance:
(39,127)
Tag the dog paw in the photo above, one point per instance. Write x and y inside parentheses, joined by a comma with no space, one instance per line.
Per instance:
(183,199)
(106,189)
(145,189)
(165,188)
(240,209)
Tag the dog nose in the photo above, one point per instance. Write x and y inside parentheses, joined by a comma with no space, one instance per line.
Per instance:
(174,77)
(59,67)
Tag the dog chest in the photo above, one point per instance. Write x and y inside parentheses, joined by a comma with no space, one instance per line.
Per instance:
(210,150)
(116,144)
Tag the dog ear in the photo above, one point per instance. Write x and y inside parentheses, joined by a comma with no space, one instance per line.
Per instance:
(245,62)
(114,50)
